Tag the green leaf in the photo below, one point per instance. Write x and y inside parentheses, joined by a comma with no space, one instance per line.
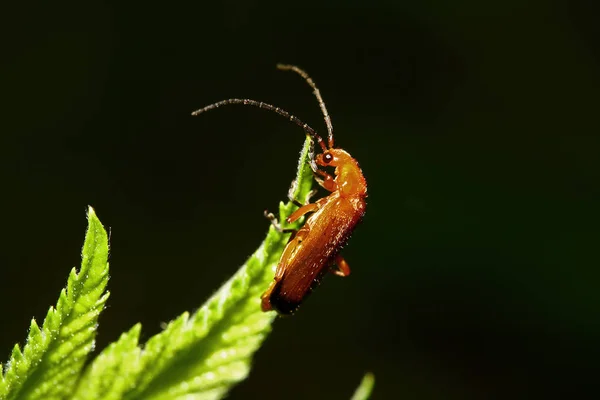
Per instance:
(111,374)
(363,392)
(53,356)
(203,355)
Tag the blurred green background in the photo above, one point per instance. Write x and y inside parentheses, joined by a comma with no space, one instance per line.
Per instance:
(475,272)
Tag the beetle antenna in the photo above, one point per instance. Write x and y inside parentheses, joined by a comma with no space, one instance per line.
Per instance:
(317,93)
(247,102)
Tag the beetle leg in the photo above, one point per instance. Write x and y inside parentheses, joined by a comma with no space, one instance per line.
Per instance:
(318,179)
(311,207)
(276,224)
(317,173)
(291,191)
(297,202)
(343,269)
(326,182)
(310,195)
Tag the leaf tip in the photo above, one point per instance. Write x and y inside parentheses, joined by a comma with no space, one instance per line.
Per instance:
(91,213)
(93,219)
(363,392)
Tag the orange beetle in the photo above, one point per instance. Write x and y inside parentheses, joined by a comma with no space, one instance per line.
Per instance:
(314,248)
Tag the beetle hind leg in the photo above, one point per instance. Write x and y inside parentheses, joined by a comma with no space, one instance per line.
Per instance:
(343,269)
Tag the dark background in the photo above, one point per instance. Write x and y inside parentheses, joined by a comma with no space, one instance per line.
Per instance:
(475,272)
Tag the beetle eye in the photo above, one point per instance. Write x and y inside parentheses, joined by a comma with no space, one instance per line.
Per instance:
(327,158)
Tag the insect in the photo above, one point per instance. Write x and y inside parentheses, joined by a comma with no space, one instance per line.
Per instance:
(313,250)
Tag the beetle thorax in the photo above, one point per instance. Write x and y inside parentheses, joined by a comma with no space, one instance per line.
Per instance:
(348,175)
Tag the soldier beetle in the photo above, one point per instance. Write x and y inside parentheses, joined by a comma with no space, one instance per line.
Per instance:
(314,248)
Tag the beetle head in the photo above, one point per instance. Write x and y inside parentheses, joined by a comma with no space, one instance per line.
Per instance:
(333,158)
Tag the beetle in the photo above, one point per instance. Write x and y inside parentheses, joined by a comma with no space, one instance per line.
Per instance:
(313,249)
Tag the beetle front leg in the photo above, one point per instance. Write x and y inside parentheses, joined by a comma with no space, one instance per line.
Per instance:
(325,180)
(292,198)
(343,269)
